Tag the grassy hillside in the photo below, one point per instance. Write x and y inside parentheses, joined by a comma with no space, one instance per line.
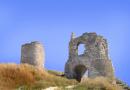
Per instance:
(27,77)
(99,83)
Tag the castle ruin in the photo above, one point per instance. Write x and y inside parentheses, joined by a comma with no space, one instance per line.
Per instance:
(93,62)
(33,53)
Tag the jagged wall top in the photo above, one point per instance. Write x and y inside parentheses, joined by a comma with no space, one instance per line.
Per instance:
(94,44)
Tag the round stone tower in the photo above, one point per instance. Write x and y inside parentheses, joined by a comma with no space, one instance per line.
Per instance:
(33,53)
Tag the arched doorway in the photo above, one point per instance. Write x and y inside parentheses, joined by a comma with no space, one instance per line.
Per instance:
(80,70)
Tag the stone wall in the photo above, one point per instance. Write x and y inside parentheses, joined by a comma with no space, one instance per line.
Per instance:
(33,53)
(94,59)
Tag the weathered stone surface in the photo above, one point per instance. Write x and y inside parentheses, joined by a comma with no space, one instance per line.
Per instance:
(95,58)
(33,53)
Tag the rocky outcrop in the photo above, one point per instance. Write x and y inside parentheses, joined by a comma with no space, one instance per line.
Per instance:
(94,60)
(33,53)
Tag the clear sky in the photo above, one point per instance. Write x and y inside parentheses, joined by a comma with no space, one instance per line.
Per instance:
(52,21)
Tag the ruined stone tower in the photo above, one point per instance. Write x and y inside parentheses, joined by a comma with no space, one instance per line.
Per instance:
(93,62)
(33,53)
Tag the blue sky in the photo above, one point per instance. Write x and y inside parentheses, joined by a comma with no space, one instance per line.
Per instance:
(52,21)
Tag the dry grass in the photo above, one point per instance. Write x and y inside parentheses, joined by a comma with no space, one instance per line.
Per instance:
(99,83)
(28,77)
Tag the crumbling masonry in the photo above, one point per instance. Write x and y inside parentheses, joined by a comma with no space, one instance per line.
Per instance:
(33,53)
(94,61)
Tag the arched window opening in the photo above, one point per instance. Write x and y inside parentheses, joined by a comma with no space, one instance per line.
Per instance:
(81,49)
